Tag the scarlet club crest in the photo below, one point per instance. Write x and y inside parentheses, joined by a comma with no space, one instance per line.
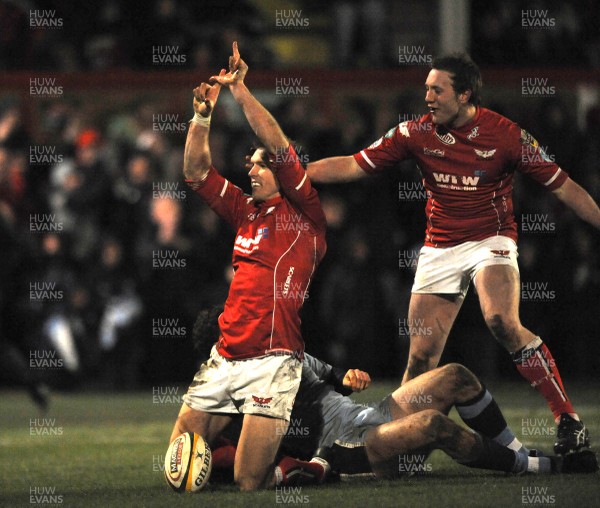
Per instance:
(262,401)
(500,253)
(485,154)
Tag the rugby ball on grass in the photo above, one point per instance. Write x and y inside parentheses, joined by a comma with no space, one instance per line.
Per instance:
(188,463)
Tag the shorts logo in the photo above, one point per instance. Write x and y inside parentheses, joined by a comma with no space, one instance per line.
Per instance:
(500,253)
(262,402)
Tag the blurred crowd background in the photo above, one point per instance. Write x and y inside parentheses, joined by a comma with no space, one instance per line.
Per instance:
(108,34)
(92,201)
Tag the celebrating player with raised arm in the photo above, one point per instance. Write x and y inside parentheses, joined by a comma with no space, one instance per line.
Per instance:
(255,367)
(468,156)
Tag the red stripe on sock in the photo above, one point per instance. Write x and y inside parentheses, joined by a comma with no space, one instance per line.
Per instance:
(541,371)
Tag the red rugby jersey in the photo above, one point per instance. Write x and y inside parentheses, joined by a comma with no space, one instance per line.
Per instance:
(467,172)
(278,246)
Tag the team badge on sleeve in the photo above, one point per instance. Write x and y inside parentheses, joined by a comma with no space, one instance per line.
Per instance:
(528,139)
(390,134)
(531,147)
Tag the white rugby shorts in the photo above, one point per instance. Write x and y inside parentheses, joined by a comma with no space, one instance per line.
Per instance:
(450,270)
(263,386)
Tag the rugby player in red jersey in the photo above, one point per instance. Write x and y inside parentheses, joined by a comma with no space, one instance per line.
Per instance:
(468,156)
(255,367)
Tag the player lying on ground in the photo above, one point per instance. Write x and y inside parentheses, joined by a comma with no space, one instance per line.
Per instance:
(396,434)
(255,367)
(468,156)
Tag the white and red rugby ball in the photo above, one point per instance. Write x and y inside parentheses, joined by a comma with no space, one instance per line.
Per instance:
(188,463)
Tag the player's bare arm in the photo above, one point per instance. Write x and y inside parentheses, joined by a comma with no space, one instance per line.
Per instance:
(335,169)
(579,200)
(262,122)
(196,158)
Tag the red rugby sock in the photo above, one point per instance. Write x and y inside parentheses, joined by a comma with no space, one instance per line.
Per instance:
(536,364)
(223,454)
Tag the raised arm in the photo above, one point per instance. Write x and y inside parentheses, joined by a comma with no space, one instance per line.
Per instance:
(262,122)
(227,200)
(293,180)
(579,200)
(335,169)
(196,157)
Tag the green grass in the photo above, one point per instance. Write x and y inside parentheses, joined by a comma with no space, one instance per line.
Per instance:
(107,453)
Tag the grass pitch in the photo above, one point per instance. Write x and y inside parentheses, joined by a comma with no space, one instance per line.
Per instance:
(106,450)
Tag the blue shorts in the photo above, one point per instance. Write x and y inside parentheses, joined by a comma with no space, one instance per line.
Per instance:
(357,420)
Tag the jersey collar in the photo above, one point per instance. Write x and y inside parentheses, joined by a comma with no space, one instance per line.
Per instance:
(471,123)
(269,202)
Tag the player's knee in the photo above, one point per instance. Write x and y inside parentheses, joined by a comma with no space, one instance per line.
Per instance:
(248,486)
(461,379)
(248,482)
(495,323)
(503,327)
(453,372)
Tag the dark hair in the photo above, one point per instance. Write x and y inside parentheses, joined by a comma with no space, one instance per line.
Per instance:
(257,145)
(299,149)
(206,330)
(465,74)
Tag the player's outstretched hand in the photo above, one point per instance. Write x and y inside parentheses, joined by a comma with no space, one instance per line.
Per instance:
(205,97)
(237,69)
(356,380)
